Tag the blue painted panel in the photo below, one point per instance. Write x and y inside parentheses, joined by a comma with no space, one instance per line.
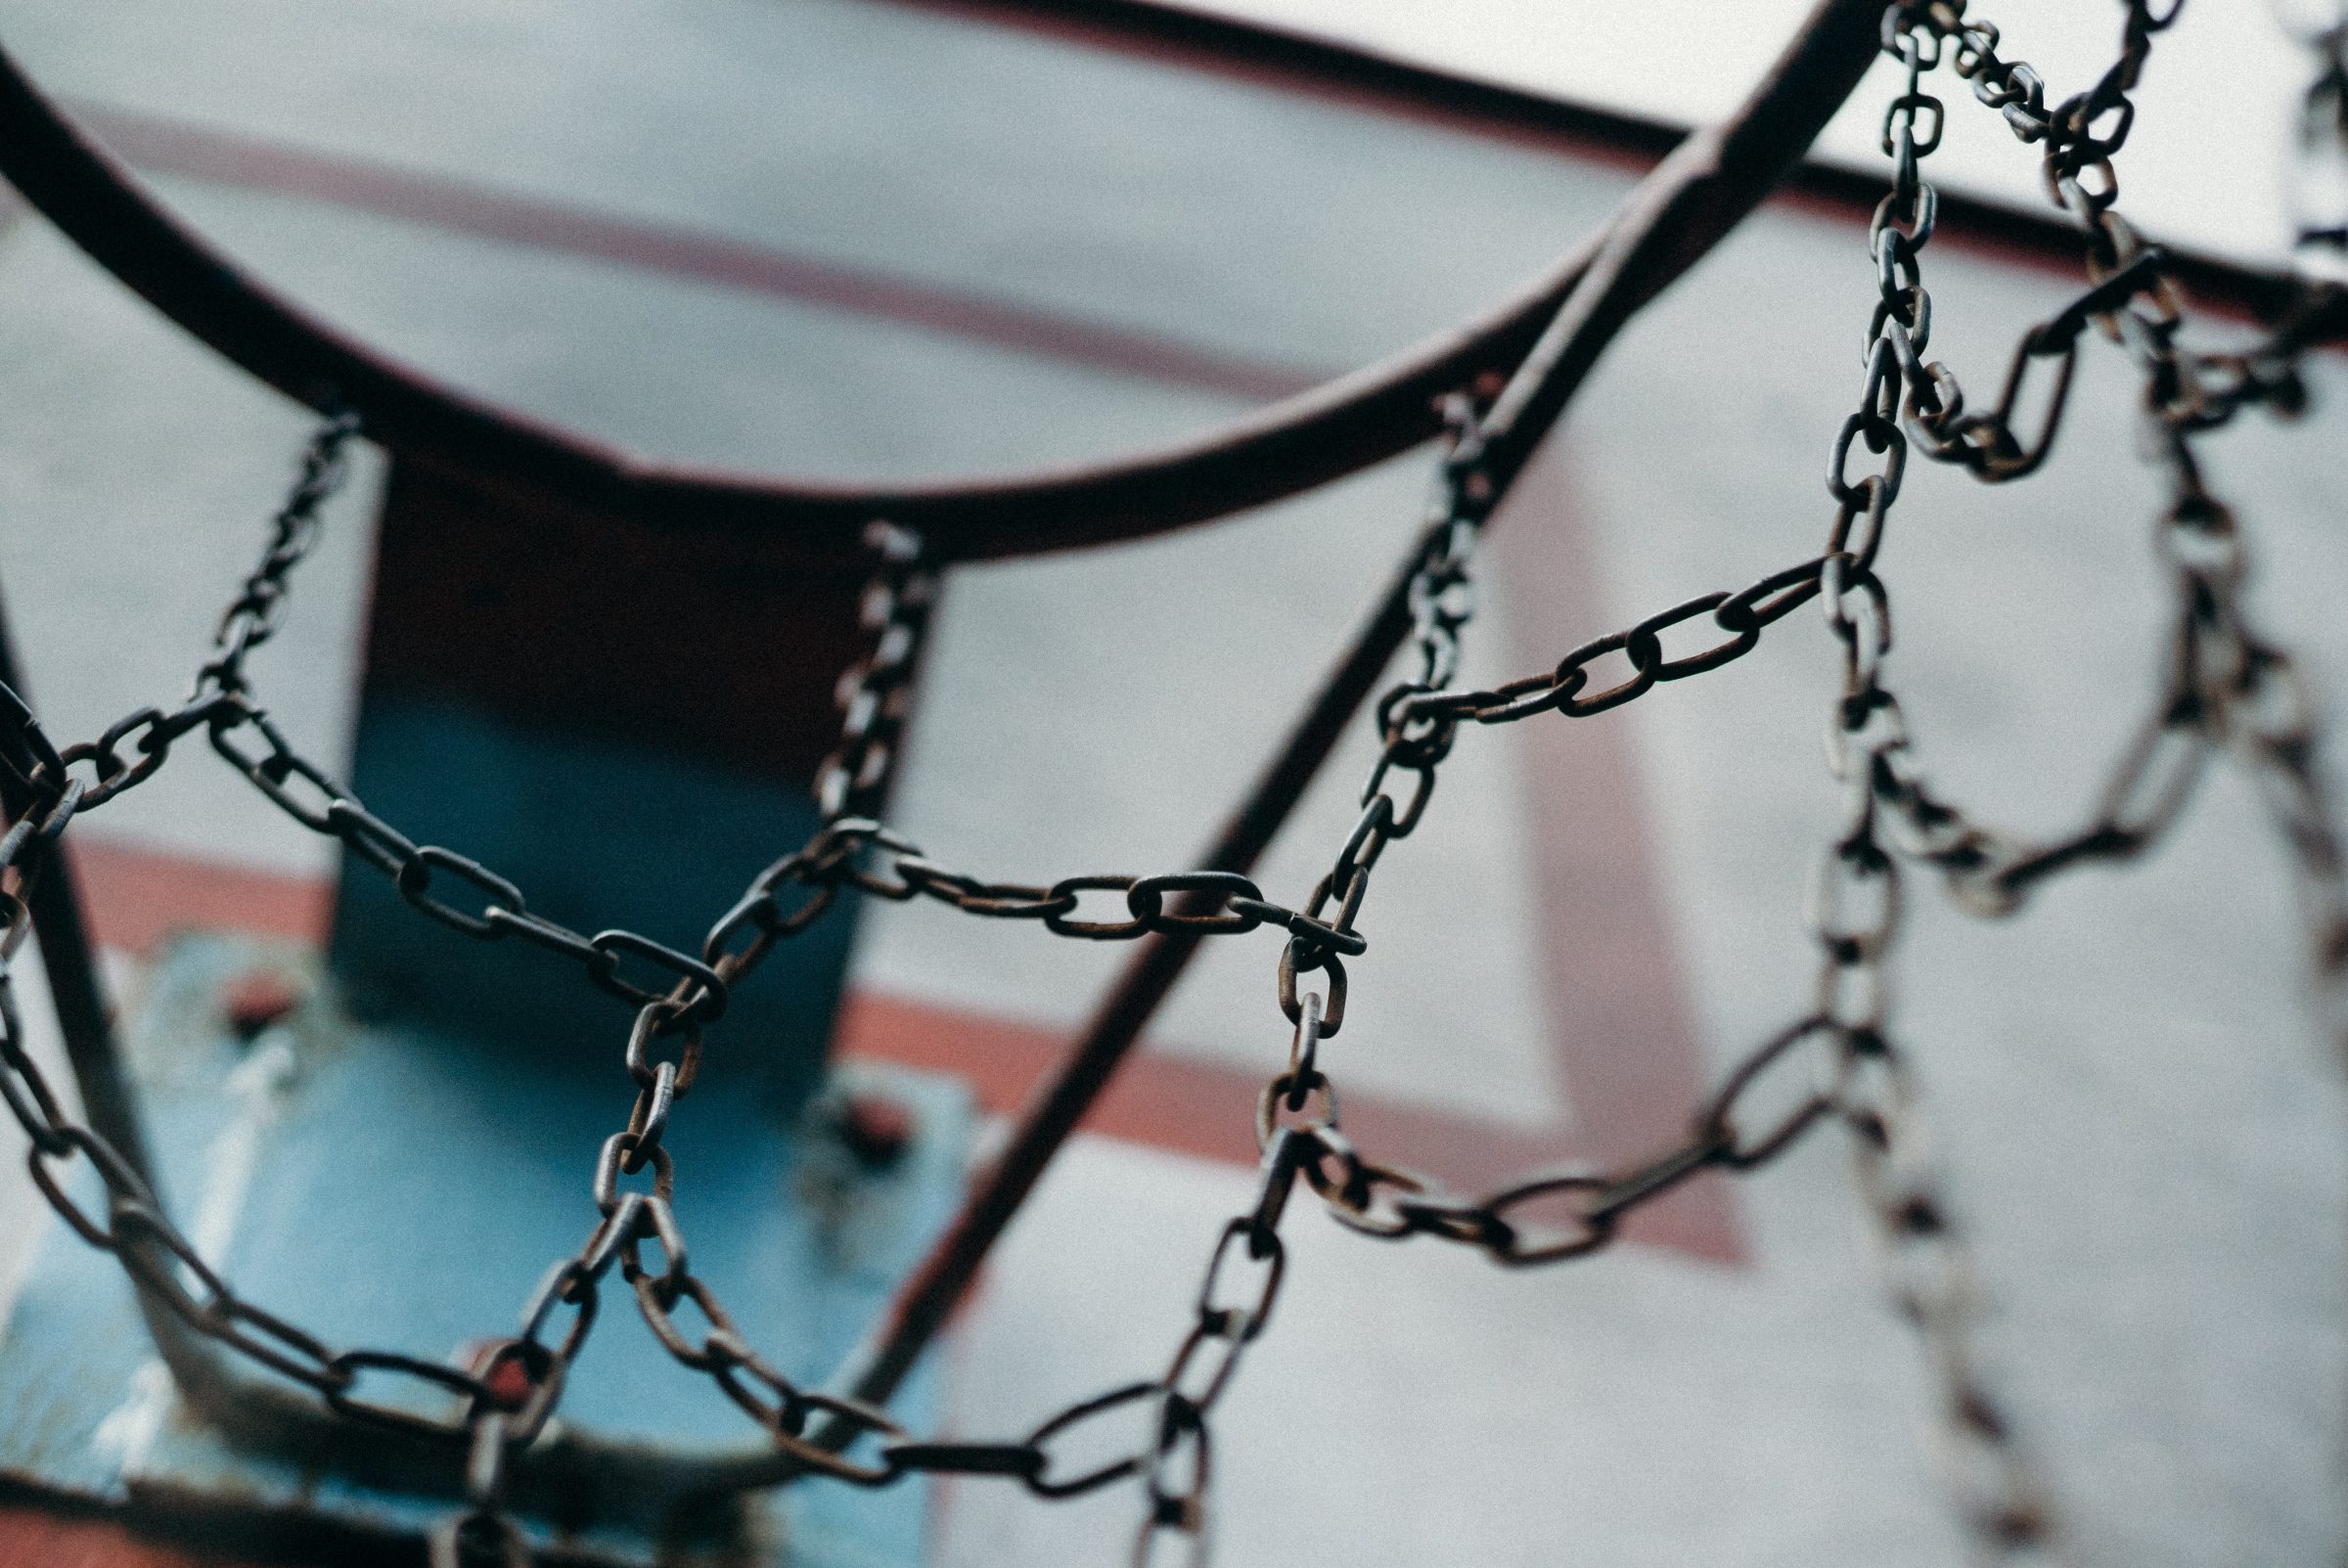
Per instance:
(597,833)
(405,1188)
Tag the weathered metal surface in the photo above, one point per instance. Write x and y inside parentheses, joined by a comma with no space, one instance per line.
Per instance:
(1699,194)
(2226,685)
(444,759)
(598,831)
(417,1248)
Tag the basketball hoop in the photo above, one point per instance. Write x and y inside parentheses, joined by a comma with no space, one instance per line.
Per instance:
(478,1443)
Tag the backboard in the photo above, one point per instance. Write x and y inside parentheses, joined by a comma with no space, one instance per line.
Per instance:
(876,241)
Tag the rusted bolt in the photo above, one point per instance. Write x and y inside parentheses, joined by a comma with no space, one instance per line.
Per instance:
(255,1000)
(874,1127)
(509,1369)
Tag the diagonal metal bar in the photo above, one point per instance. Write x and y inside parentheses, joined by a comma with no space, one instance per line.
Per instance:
(1291,446)
(85,1022)
(75,992)
(1675,216)
(930,1294)
(1670,221)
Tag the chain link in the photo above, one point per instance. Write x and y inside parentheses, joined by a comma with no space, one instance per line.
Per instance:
(2224,686)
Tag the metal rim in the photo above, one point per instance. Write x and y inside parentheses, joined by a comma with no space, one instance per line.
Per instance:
(1332,430)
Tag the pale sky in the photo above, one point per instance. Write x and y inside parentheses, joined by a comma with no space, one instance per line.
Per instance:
(2204,167)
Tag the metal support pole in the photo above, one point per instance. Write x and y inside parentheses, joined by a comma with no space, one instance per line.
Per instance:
(1670,221)
(928,1297)
(75,989)
(93,1050)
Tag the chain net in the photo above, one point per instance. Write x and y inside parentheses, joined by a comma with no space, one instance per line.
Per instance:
(2220,689)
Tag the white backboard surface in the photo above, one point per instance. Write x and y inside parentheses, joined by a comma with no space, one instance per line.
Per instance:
(2201,169)
(2139,1120)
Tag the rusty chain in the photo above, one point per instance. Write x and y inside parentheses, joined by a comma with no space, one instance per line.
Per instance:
(500,1402)
(132,1225)
(876,693)
(1174,1468)
(2227,686)
(2224,687)
(484,1534)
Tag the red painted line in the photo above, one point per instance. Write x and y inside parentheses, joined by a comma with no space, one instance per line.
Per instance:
(1208,1110)
(138,898)
(35,1538)
(1625,1046)
(1623,1049)
(226,158)
(1364,77)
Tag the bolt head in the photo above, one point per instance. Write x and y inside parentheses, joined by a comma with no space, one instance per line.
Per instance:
(255,1000)
(874,1127)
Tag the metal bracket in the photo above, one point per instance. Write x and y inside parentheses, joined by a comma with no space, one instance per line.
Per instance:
(398,1186)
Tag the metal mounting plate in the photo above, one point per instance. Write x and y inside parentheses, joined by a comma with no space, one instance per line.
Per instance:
(393,1187)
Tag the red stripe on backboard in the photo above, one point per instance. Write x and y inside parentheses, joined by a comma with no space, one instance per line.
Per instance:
(35,1538)
(1618,1018)
(138,898)
(227,157)
(1207,1109)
